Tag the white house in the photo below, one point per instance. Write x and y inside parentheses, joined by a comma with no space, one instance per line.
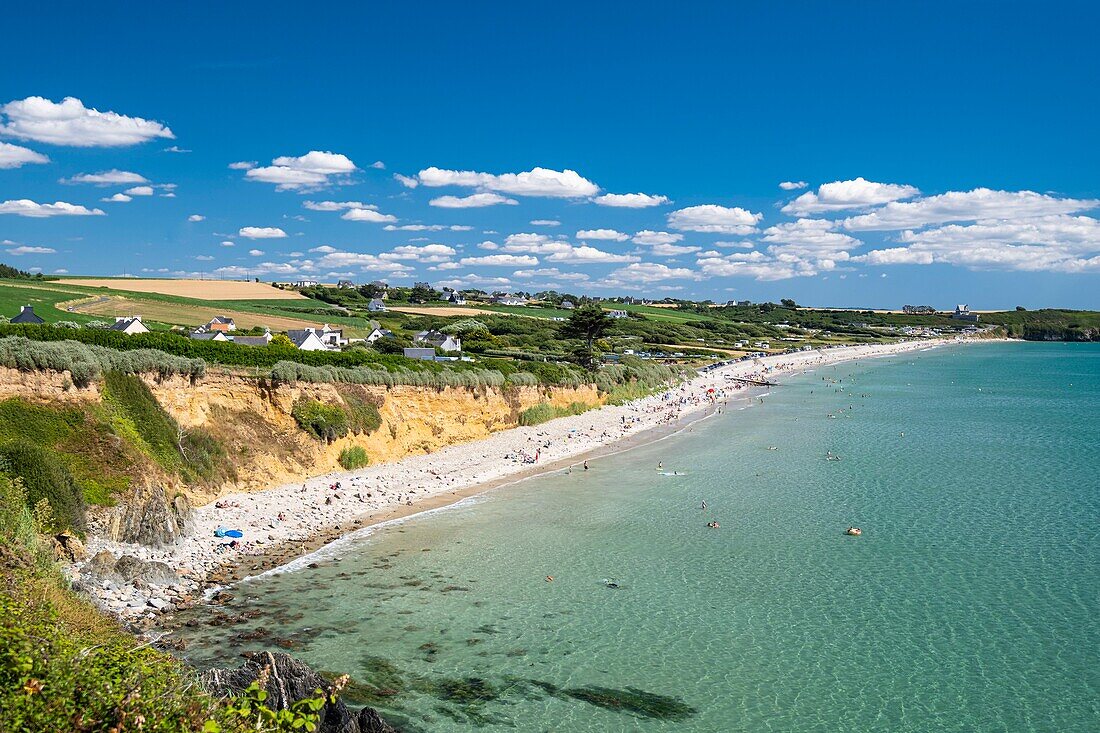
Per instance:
(376,306)
(455,298)
(567,305)
(438,340)
(618,314)
(305,283)
(510,300)
(129,325)
(378,333)
(962,313)
(332,336)
(306,339)
(221,323)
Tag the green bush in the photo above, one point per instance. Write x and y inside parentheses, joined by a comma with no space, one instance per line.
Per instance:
(324,422)
(544,411)
(45,476)
(363,416)
(137,415)
(86,362)
(353,457)
(66,667)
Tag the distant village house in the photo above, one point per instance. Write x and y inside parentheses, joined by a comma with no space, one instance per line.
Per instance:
(962,313)
(129,325)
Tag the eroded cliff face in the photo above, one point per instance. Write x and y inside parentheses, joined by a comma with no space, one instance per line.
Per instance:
(265,447)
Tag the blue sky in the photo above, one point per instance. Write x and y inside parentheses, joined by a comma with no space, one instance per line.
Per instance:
(948,151)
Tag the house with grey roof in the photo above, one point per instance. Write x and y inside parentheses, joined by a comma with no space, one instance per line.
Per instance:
(438,340)
(306,339)
(128,325)
(378,333)
(27,315)
(455,298)
(376,306)
(253,340)
(424,354)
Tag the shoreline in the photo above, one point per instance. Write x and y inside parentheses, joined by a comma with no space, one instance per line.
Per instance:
(290,521)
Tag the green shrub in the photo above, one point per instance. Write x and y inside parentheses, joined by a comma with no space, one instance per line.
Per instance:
(324,422)
(45,476)
(363,416)
(544,411)
(86,362)
(353,457)
(136,414)
(66,667)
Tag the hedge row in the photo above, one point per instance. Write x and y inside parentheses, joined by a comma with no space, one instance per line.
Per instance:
(87,362)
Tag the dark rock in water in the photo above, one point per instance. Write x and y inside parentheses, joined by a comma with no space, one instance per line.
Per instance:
(288,682)
(148,517)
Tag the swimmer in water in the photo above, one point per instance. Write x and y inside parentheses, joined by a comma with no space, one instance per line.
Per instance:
(660,465)
(704,504)
(586,465)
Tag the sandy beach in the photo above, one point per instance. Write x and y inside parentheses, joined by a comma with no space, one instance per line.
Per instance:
(287,521)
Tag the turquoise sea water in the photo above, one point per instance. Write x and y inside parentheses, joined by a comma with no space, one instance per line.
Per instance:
(970,603)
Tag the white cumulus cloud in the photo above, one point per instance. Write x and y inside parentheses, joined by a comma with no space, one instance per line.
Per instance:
(980,203)
(26,250)
(1055,243)
(69,122)
(16,156)
(535,182)
(196,217)
(261,233)
(107,178)
(607,234)
(118,198)
(630,200)
(336,205)
(648,236)
(139,191)
(500,260)
(793,185)
(311,171)
(858,193)
(712,218)
(473,201)
(26,207)
(368,215)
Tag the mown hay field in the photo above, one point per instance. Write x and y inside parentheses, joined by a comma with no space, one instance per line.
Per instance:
(184,315)
(440,310)
(200,289)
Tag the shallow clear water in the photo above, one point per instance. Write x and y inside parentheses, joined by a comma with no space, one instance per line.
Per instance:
(970,603)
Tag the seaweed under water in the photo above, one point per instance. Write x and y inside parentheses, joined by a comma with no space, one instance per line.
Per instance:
(464,699)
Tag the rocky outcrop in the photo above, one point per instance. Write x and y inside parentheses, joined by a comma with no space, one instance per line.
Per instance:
(129,569)
(147,517)
(68,548)
(288,681)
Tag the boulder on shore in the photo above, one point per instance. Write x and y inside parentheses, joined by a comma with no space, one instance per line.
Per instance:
(289,681)
(67,547)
